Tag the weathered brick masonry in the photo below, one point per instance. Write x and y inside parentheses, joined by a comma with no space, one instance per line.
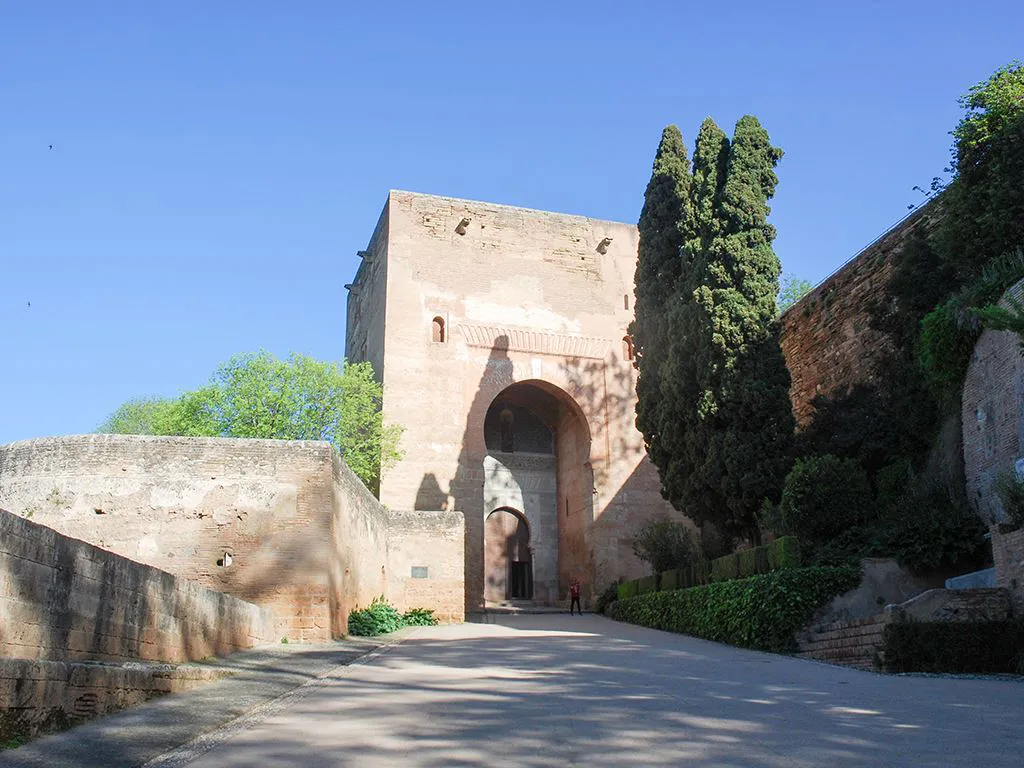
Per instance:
(828,338)
(64,602)
(284,524)
(993,429)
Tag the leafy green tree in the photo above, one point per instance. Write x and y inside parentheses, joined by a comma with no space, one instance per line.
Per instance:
(666,202)
(259,396)
(140,416)
(739,421)
(792,290)
(984,204)
(665,544)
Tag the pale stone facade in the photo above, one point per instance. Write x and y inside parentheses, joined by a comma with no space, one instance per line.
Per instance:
(466,307)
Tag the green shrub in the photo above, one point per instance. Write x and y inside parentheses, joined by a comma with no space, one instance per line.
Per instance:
(784,553)
(1010,491)
(955,646)
(608,596)
(647,584)
(759,612)
(725,568)
(665,544)
(928,531)
(671,580)
(419,617)
(380,618)
(628,589)
(824,496)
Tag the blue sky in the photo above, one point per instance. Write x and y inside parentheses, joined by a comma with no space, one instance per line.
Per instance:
(216,165)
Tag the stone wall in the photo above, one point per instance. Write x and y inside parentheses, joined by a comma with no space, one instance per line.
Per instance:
(425,562)
(827,337)
(64,600)
(992,416)
(284,524)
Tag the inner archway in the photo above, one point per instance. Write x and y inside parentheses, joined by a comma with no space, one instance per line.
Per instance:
(508,561)
(537,473)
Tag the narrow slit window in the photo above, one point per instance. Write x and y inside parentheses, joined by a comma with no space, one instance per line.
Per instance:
(437,330)
(625,301)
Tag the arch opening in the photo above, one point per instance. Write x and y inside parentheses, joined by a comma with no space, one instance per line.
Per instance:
(508,556)
(537,468)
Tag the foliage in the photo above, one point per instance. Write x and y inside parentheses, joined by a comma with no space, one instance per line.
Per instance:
(984,205)
(666,204)
(781,553)
(824,496)
(724,438)
(791,291)
(382,617)
(1000,318)
(759,612)
(1010,490)
(260,396)
(665,544)
(379,619)
(608,596)
(419,617)
(955,646)
(944,352)
(927,530)
(628,589)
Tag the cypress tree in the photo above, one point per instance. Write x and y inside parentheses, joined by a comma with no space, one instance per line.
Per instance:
(662,228)
(737,421)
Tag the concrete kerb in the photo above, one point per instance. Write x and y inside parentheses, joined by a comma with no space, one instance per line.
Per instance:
(176,729)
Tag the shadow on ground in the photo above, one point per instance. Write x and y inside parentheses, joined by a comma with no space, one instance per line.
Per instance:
(542,690)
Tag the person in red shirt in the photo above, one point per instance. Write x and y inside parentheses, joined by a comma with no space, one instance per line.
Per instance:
(574,593)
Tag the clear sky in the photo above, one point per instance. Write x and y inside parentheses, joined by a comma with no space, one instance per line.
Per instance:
(216,165)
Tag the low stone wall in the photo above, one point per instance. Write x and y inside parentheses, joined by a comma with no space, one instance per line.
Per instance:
(283,524)
(40,696)
(425,562)
(857,643)
(64,600)
(860,642)
(1008,554)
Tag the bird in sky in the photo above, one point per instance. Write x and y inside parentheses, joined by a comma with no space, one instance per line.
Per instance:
(51,146)
(30,305)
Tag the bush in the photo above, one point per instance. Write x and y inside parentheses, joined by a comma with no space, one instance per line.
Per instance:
(607,597)
(928,531)
(1010,491)
(628,589)
(955,646)
(759,612)
(647,584)
(382,617)
(665,544)
(824,496)
(419,617)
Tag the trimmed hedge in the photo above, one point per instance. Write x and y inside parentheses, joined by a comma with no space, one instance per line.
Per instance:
(955,646)
(628,589)
(760,612)
(781,553)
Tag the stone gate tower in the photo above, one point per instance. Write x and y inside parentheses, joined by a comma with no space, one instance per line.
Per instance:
(500,335)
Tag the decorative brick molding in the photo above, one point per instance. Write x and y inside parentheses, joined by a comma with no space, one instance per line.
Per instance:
(539,342)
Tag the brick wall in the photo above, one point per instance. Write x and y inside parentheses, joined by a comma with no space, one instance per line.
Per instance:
(993,440)
(857,643)
(425,562)
(827,336)
(64,600)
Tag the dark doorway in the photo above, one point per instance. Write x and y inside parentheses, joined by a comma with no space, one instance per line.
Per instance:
(508,559)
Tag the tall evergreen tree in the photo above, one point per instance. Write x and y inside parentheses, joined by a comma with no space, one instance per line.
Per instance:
(737,421)
(662,232)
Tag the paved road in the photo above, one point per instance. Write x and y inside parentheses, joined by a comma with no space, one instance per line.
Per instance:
(555,690)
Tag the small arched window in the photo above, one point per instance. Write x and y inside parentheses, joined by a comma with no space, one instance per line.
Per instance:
(437,333)
(627,348)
